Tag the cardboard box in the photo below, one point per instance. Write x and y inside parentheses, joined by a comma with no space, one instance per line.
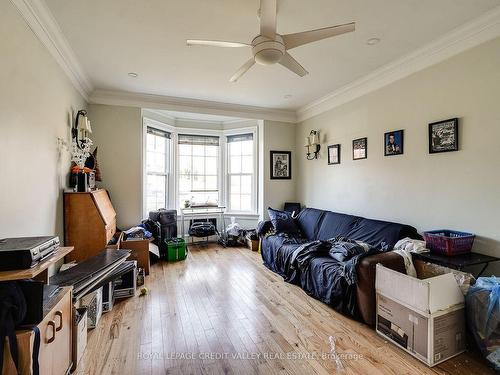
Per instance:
(253,244)
(424,317)
(79,335)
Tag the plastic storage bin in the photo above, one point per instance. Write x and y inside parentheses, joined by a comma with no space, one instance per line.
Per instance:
(449,242)
(176,249)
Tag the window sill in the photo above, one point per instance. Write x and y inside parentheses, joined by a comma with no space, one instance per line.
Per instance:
(242,214)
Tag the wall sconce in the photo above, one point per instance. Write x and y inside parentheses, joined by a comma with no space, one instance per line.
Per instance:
(82,125)
(312,141)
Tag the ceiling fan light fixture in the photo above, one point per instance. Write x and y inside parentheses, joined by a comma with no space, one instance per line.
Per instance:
(133,75)
(269,47)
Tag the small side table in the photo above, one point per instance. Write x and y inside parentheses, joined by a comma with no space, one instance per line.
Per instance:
(458,262)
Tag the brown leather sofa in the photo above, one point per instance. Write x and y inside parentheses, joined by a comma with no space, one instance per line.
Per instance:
(365,288)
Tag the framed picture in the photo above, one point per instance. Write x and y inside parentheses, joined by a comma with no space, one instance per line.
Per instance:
(281,165)
(334,154)
(360,148)
(443,136)
(393,143)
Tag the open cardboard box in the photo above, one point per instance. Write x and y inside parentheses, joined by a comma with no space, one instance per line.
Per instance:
(425,317)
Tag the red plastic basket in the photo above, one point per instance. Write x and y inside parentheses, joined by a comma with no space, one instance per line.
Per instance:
(449,242)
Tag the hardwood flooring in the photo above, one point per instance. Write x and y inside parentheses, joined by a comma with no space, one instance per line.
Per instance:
(222,312)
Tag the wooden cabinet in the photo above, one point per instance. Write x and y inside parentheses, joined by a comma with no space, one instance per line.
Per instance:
(55,339)
(89,223)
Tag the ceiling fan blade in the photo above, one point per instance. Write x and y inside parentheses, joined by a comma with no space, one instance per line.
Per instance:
(299,39)
(268,18)
(290,63)
(215,43)
(244,68)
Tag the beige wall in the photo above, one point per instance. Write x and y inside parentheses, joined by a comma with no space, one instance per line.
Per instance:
(117,131)
(458,190)
(278,136)
(36,104)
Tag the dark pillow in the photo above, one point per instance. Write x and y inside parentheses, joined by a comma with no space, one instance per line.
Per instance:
(283,221)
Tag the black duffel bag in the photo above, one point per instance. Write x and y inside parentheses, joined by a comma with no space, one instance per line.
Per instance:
(203,229)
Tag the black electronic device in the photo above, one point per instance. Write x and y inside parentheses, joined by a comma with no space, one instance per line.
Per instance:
(25,252)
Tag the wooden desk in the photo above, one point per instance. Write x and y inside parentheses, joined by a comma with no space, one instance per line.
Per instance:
(38,272)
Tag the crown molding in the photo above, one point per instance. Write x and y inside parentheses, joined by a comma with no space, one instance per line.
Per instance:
(469,35)
(41,21)
(124,98)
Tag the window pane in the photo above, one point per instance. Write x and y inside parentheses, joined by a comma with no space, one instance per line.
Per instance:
(235,164)
(155,192)
(184,149)
(211,150)
(184,183)
(246,147)
(235,148)
(246,202)
(198,182)
(211,182)
(247,164)
(198,165)
(184,164)
(198,150)
(211,166)
(235,185)
(198,171)
(235,202)
(246,184)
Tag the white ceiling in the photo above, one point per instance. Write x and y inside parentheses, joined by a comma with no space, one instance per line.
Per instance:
(114,37)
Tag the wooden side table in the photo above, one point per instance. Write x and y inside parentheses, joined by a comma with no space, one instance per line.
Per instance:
(38,272)
(458,262)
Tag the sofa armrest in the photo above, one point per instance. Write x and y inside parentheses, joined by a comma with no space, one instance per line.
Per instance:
(264,227)
(365,288)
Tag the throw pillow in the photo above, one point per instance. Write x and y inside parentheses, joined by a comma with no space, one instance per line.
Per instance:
(283,221)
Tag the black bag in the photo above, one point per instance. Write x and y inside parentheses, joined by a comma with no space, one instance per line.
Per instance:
(168,222)
(12,313)
(155,228)
(202,229)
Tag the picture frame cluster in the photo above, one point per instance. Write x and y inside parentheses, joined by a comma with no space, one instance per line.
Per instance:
(443,137)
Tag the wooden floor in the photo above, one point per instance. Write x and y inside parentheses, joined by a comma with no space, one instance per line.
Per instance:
(222,312)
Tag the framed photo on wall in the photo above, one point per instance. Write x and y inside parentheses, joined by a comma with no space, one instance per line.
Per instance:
(443,136)
(281,165)
(360,148)
(334,154)
(393,143)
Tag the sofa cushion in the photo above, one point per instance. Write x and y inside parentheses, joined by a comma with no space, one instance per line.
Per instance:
(282,221)
(309,221)
(379,233)
(335,224)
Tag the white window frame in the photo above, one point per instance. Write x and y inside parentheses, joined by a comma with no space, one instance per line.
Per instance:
(223,176)
(220,172)
(254,194)
(147,122)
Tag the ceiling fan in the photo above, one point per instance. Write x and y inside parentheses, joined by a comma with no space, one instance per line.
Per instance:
(269,47)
